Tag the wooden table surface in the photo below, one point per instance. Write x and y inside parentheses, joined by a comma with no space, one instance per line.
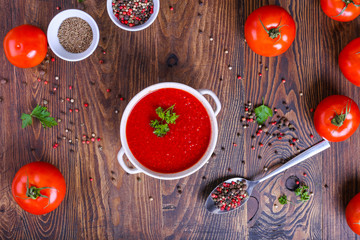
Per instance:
(116,205)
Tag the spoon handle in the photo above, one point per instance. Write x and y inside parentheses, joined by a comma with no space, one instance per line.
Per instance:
(317,148)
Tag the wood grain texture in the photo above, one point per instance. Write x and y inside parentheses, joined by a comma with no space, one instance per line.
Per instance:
(116,205)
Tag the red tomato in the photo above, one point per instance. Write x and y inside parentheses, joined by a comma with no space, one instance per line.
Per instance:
(352,214)
(349,61)
(38,187)
(25,46)
(336,118)
(341,10)
(270,30)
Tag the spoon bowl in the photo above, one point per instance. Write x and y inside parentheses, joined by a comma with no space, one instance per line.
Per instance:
(317,148)
(211,207)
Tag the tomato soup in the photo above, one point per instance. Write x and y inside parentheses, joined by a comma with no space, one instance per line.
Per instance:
(183,145)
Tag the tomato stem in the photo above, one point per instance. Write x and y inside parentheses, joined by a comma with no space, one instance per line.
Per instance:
(273,32)
(34,192)
(339,119)
(347,2)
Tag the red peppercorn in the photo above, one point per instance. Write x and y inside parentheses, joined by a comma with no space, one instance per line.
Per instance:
(84,136)
(91,179)
(297,182)
(98,139)
(311,109)
(251,120)
(76,110)
(70,110)
(252,147)
(53,59)
(108,90)
(279,138)
(294,140)
(87,142)
(312,136)
(83,141)
(171,8)
(101,61)
(275,109)
(239,77)
(260,131)
(104,52)
(70,87)
(86,104)
(45,82)
(121,99)
(257,134)
(261,145)
(39,79)
(93,139)
(68,99)
(273,123)
(283,80)
(54,88)
(304,174)
(235,145)
(57,8)
(260,74)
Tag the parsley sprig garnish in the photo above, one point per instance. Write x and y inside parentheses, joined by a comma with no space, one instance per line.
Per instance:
(303,193)
(167,117)
(262,113)
(283,199)
(40,113)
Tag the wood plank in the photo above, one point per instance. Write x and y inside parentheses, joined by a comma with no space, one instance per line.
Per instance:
(115,205)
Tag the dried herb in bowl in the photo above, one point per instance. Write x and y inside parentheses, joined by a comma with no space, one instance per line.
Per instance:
(75,35)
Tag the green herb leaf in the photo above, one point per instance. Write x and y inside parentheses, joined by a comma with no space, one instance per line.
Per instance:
(302,191)
(167,117)
(40,113)
(26,120)
(161,130)
(262,113)
(283,199)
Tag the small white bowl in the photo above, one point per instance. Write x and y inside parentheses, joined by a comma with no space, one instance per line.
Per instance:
(135,28)
(53,40)
(138,167)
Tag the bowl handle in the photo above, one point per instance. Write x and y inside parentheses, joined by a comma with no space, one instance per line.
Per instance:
(216,99)
(120,157)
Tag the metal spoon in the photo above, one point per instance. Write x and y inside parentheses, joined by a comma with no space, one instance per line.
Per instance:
(317,148)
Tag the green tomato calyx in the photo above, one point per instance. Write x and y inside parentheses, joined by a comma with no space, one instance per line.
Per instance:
(338,119)
(273,32)
(34,192)
(347,2)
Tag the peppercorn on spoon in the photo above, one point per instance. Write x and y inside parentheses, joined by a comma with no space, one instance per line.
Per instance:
(315,149)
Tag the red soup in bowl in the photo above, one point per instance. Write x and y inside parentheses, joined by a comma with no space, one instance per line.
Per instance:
(186,140)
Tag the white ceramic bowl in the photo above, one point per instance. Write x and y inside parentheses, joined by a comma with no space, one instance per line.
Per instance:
(138,167)
(135,28)
(53,39)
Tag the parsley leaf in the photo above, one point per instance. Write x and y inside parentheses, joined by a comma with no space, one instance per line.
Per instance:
(283,199)
(303,193)
(167,117)
(40,113)
(262,113)
(26,120)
